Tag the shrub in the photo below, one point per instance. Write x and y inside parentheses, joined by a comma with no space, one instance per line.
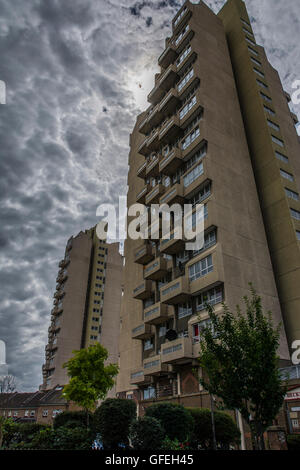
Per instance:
(43,440)
(174,419)
(293,441)
(20,435)
(112,421)
(79,438)
(80,417)
(169,444)
(146,434)
(226,430)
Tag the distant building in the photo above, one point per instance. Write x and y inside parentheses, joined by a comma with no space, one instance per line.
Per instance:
(39,407)
(86,306)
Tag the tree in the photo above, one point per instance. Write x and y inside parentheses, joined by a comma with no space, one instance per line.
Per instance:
(90,378)
(112,421)
(174,419)
(146,434)
(226,430)
(7,384)
(238,354)
(75,417)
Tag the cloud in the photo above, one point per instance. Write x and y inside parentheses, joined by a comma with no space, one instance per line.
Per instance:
(77,74)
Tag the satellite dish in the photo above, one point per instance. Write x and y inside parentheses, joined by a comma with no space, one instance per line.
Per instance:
(171,335)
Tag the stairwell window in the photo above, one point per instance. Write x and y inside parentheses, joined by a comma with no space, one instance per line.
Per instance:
(281,157)
(277,141)
(248,32)
(291,194)
(258,72)
(286,175)
(269,111)
(187,107)
(298,234)
(180,36)
(265,97)
(201,268)
(273,125)
(190,138)
(253,51)
(262,84)
(255,61)
(185,80)
(183,55)
(295,214)
(193,175)
(250,41)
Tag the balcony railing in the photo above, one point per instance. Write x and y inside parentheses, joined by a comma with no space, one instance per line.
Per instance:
(141,173)
(166,80)
(153,167)
(168,55)
(137,377)
(144,253)
(153,366)
(156,269)
(171,162)
(143,290)
(176,291)
(154,195)
(142,331)
(141,196)
(179,351)
(174,195)
(157,313)
(169,130)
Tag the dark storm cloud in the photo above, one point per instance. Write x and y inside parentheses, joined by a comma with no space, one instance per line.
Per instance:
(72,71)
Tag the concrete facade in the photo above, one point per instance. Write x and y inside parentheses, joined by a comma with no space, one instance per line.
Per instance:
(191,146)
(86,304)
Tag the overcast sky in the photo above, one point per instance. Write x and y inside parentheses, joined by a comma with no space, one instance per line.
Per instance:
(77,72)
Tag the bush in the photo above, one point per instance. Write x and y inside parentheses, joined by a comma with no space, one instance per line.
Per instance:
(21,435)
(146,434)
(175,420)
(293,441)
(78,417)
(112,421)
(79,438)
(226,430)
(44,440)
(169,444)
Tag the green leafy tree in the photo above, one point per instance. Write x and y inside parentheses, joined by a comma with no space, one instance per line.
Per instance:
(112,421)
(176,421)
(239,357)
(146,434)
(90,379)
(73,417)
(226,430)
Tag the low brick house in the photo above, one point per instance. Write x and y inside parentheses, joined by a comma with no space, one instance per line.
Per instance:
(40,407)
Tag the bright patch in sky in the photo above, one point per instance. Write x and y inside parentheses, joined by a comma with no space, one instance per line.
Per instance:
(140,83)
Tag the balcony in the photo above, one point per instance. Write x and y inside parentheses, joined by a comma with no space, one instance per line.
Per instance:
(153,366)
(153,167)
(168,56)
(169,130)
(295,118)
(64,262)
(174,195)
(142,331)
(153,142)
(179,351)
(141,196)
(143,290)
(183,38)
(143,149)
(172,245)
(169,103)
(156,269)
(171,162)
(154,117)
(137,377)
(154,195)
(175,292)
(183,15)
(157,313)
(195,142)
(201,180)
(141,173)
(144,253)
(62,276)
(165,82)
(212,278)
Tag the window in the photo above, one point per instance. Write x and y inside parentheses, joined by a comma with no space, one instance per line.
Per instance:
(15,413)
(184,310)
(248,32)
(291,194)
(196,157)
(245,22)
(56,412)
(210,239)
(252,51)
(212,297)
(32,413)
(200,195)
(93,337)
(298,234)
(96,310)
(261,83)
(261,74)
(183,55)
(295,423)
(255,61)
(201,268)
(286,175)
(94,328)
(277,141)
(265,97)
(196,216)
(26,413)
(199,327)
(162,331)
(45,413)
(149,393)
(273,125)
(180,36)
(95,318)
(185,80)
(148,345)
(187,107)
(269,110)
(190,138)
(250,41)
(193,175)
(180,16)
(295,214)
